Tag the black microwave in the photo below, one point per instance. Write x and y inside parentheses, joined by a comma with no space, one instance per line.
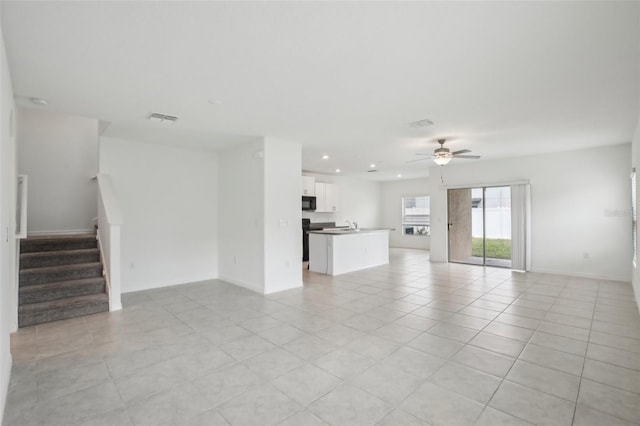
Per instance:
(308,203)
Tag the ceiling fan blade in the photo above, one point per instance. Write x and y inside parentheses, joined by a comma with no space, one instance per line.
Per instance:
(462,151)
(419,159)
(469,157)
(422,154)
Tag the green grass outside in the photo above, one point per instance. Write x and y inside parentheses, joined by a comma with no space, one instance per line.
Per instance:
(496,249)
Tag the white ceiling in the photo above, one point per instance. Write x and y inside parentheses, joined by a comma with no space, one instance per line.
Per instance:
(500,78)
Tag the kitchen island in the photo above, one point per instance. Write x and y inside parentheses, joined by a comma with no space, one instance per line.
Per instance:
(342,250)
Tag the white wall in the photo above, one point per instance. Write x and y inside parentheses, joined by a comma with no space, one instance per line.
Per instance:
(7,225)
(60,154)
(579,205)
(241,215)
(635,162)
(392,193)
(259,220)
(283,233)
(359,200)
(168,198)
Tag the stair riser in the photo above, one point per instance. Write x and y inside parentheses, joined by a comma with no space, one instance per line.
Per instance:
(30,277)
(61,313)
(34,247)
(58,260)
(68,291)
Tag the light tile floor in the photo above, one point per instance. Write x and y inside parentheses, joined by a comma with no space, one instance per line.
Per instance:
(410,343)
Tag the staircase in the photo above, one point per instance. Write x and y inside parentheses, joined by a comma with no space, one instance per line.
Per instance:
(60,277)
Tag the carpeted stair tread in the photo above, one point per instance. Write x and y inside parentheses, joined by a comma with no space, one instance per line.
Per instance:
(50,274)
(36,313)
(52,291)
(61,277)
(57,238)
(58,242)
(58,258)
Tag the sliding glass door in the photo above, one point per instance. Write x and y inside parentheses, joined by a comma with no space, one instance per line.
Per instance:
(479,224)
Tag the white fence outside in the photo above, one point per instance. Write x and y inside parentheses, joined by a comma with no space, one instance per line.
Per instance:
(498,223)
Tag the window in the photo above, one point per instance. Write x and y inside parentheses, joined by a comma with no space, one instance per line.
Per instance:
(416,216)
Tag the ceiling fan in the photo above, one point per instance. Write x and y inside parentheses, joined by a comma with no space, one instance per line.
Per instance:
(442,155)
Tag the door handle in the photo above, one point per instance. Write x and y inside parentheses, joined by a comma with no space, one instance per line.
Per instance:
(449,225)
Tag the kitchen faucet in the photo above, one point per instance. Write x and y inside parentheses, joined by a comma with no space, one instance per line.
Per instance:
(353,226)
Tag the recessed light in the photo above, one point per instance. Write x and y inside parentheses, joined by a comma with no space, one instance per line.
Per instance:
(38,101)
(372,165)
(325,157)
(337,170)
(399,175)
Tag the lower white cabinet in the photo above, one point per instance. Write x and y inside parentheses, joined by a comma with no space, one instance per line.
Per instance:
(326,197)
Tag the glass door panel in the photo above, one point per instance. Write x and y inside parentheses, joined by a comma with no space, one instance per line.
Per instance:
(497,219)
(460,202)
(479,225)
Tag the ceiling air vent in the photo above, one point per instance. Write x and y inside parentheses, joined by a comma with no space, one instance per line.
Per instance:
(371,171)
(421,123)
(162,118)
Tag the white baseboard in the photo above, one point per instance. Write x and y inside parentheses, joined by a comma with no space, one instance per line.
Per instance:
(248,286)
(6,378)
(580,275)
(170,284)
(286,287)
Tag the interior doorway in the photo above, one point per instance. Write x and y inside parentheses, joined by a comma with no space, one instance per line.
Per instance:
(479,226)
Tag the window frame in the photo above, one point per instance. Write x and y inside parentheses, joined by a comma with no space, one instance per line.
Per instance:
(408,224)
(634,218)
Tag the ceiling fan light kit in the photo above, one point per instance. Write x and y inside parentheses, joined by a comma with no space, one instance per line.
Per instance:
(441,156)
(441,160)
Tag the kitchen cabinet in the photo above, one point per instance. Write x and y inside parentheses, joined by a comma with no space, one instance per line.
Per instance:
(308,185)
(326,197)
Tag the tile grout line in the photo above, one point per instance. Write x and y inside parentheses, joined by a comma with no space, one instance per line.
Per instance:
(502,380)
(595,381)
(575,408)
(467,344)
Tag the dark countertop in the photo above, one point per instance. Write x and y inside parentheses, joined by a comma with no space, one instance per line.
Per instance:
(321,225)
(347,231)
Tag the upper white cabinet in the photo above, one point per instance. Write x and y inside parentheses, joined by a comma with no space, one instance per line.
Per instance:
(308,185)
(331,197)
(321,205)
(326,197)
